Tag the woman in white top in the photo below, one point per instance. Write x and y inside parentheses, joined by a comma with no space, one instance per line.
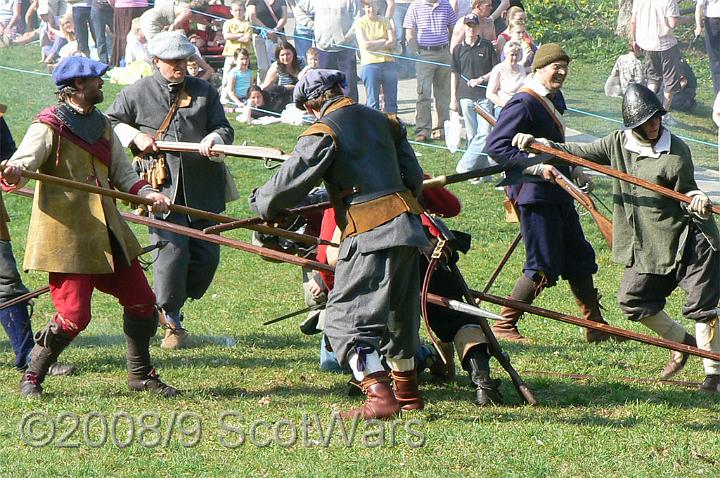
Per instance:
(507,77)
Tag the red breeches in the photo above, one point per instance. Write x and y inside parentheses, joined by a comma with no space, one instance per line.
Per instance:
(72,293)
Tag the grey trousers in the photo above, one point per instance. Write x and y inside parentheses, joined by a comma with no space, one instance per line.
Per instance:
(185,267)
(11,284)
(697,274)
(433,80)
(375,303)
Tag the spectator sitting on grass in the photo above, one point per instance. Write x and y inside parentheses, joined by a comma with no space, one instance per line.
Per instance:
(285,69)
(136,45)
(10,13)
(262,103)
(240,78)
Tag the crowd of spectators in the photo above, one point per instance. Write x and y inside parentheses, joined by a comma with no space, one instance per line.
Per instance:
(243,43)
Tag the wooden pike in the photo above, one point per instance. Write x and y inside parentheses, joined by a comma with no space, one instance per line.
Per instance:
(629,178)
(25,297)
(319,266)
(569,319)
(185,210)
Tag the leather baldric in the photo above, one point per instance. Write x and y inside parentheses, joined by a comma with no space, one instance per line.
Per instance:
(549,107)
(182,99)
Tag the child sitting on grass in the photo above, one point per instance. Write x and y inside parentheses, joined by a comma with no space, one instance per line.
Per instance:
(240,78)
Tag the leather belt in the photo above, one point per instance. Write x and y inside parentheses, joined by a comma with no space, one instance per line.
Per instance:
(433,48)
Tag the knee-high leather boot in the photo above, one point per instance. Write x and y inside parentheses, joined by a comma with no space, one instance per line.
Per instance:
(471,345)
(49,344)
(525,290)
(141,374)
(588,299)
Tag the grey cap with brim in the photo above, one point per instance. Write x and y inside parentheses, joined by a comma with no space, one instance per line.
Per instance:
(171,46)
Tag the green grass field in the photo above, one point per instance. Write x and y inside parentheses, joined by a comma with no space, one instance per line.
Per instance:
(246,384)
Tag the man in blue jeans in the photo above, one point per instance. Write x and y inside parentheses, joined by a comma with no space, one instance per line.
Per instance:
(473,59)
(707,14)
(334,39)
(101,17)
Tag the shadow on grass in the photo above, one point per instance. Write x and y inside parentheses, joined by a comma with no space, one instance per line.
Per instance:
(248,340)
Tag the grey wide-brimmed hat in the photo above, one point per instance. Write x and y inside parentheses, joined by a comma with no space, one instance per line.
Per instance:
(171,46)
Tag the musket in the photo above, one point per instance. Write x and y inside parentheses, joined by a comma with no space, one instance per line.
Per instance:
(603,223)
(436,182)
(177,208)
(217,229)
(25,297)
(254,152)
(440,181)
(550,314)
(629,178)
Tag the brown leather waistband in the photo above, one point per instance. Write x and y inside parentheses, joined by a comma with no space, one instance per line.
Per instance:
(368,215)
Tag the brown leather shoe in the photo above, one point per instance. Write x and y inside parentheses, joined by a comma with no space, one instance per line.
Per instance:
(152,383)
(596,336)
(421,138)
(30,385)
(405,387)
(677,359)
(380,402)
(175,339)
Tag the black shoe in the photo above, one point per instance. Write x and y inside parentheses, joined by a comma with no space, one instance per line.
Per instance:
(711,384)
(153,384)
(354,388)
(58,369)
(30,385)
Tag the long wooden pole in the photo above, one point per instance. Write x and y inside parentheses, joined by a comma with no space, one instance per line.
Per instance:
(319,266)
(550,314)
(135,199)
(629,178)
